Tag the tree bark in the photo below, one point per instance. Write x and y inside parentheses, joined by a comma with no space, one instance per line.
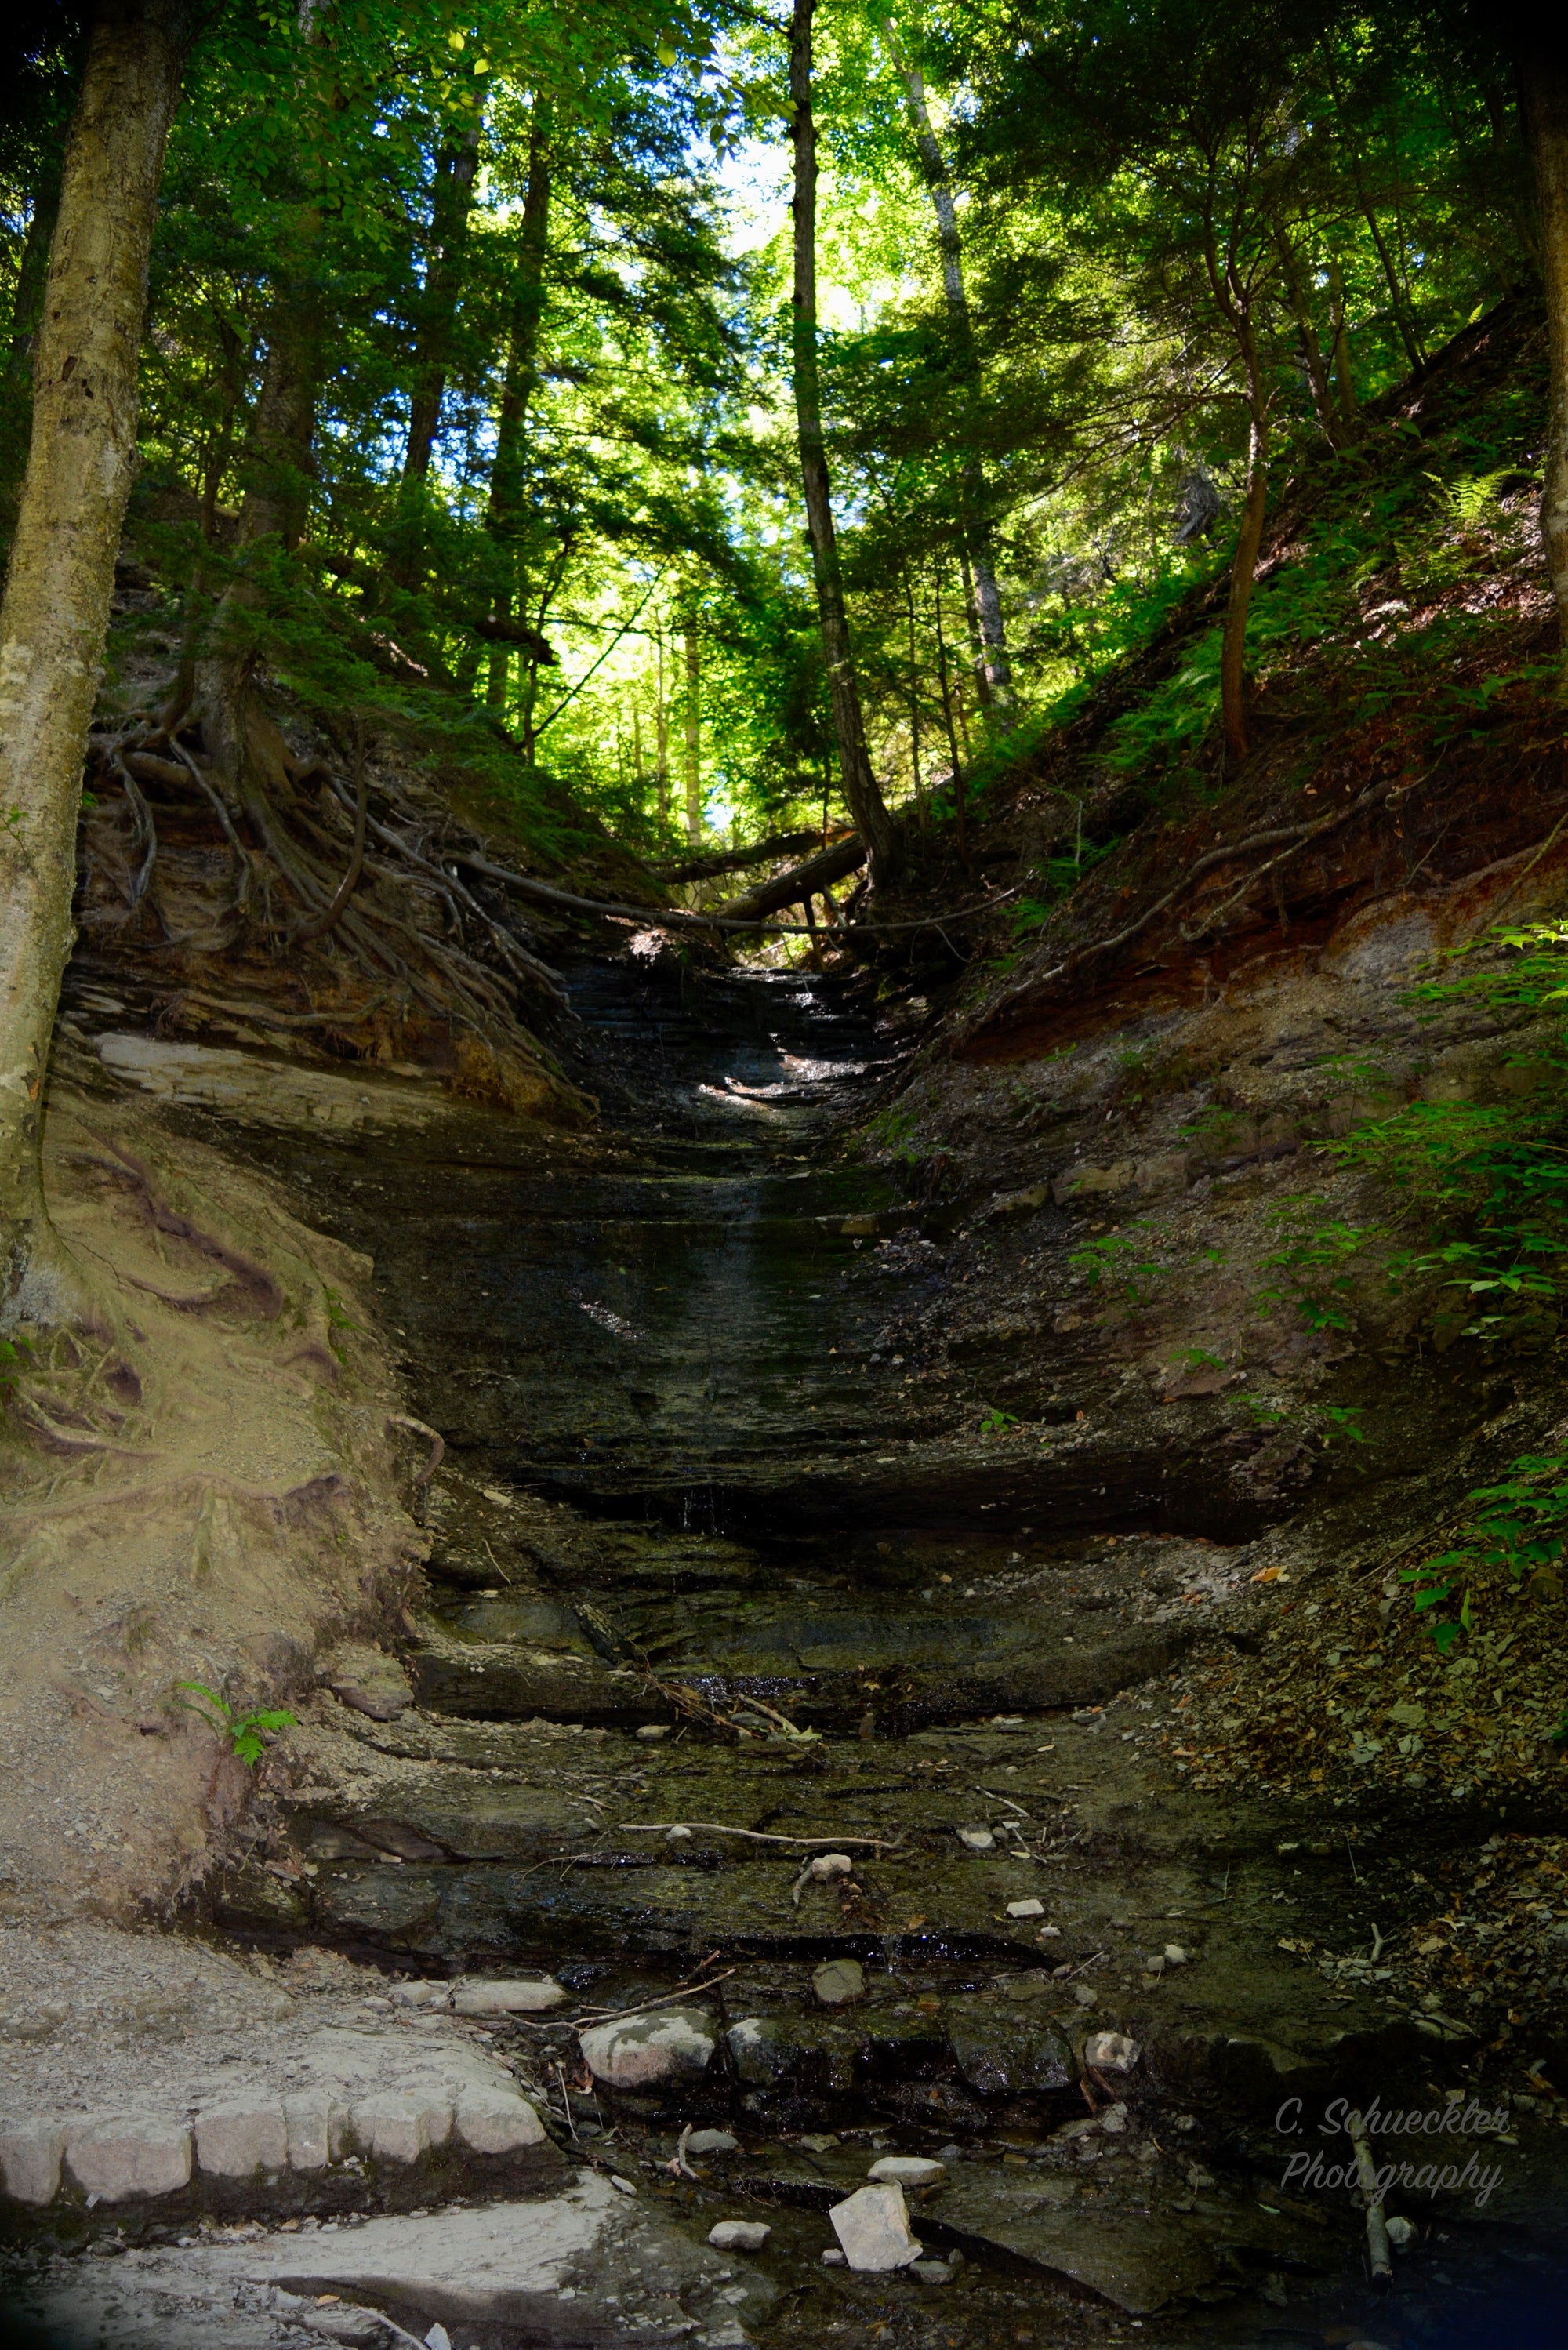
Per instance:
(1234,296)
(693,719)
(865,802)
(449,211)
(1543,96)
(661,733)
(1343,378)
(505,507)
(16,391)
(736,860)
(1245,563)
(55,616)
(802,881)
(1313,359)
(998,691)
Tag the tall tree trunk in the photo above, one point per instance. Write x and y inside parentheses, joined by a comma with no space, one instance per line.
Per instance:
(1313,359)
(693,716)
(661,731)
(508,478)
(1233,298)
(1543,94)
(998,693)
(1243,565)
(17,387)
(55,615)
(1344,379)
(867,806)
(449,210)
(961,813)
(914,705)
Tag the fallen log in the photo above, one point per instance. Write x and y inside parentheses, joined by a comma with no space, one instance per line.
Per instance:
(802,881)
(736,860)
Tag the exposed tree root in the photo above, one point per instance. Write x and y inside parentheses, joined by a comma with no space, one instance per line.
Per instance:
(395,956)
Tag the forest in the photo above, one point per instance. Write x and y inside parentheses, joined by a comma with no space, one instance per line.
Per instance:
(483,354)
(784,1101)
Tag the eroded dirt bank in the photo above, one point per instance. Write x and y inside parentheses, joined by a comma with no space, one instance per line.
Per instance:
(801,1505)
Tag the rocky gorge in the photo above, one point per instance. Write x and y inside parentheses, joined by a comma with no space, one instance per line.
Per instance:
(766,1762)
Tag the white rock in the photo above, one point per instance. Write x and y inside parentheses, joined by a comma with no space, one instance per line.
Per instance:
(1050,1933)
(308,2124)
(1401,2232)
(492,2122)
(654,1729)
(673,2046)
(400,2127)
(873,2226)
(1111,2052)
(739,2235)
(1027,1909)
(237,2139)
(1113,2120)
(837,1982)
(531,1995)
(833,2257)
(1175,1956)
(121,2155)
(711,2142)
(908,2170)
(422,1995)
(30,2160)
(976,1839)
(933,2272)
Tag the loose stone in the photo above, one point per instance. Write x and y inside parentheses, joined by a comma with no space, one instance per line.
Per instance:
(1111,2052)
(839,1982)
(908,2170)
(873,2227)
(673,2046)
(739,2235)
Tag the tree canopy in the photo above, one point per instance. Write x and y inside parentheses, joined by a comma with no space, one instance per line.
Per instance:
(468,343)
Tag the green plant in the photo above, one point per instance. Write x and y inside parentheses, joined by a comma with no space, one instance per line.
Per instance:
(1117,1263)
(243,1732)
(1314,1264)
(893,1132)
(1343,1421)
(995,1421)
(12,1351)
(1212,1128)
(1520,1527)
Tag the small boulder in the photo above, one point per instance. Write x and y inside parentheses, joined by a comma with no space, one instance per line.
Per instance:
(30,2160)
(646,2050)
(833,2257)
(237,2139)
(123,2155)
(1027,1909)
(398,2126)
(932,2272)
(1111,2052)
(839,1982)
(873,2227)
(739,2235)
(711,2142)
(976,1839)
(1175,1956)
(494,2121)
(908,2170)
(367,1682)
(532,1995)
